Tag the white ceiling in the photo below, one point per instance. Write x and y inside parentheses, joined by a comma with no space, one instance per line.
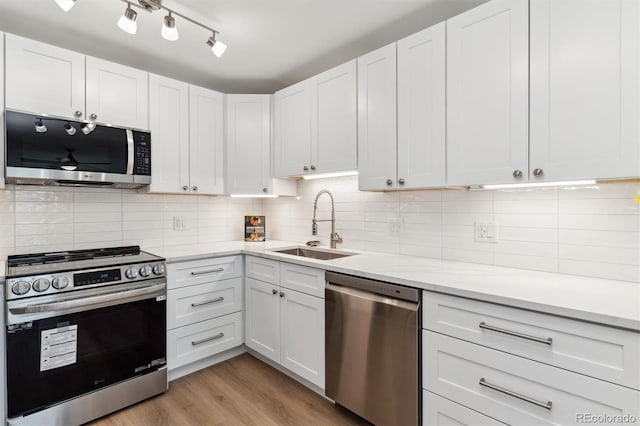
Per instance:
(271,43)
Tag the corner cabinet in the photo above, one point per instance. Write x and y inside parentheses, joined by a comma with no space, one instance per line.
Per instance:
(41,78)
(487,94)
(401,113)
(315,124)
(248,148)
(186,156)
(585,89)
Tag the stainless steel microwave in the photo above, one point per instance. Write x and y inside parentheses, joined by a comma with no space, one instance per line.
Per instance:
(46,150)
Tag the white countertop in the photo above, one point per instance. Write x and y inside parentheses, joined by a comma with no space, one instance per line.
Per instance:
(604,301)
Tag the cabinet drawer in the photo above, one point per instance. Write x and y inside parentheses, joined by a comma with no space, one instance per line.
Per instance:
(182,274)
(516,390)
(197,341)
(438,411)
(302,278)
(188,305)
(263,269)
(595,350)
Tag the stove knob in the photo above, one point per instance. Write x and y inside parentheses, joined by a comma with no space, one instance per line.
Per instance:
(132,273)
(20,287)
(41,285)
(145,271)
(60,282)
(158,269)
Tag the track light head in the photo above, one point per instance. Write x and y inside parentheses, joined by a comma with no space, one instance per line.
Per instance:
(69,129)
(169,30)
(216,46)
(66,5)
(40,127)
(127,21)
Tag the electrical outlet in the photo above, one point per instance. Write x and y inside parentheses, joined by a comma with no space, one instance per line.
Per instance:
(486,232)
(395,225)
(179,223)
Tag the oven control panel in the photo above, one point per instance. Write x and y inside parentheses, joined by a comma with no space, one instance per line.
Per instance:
(22,287)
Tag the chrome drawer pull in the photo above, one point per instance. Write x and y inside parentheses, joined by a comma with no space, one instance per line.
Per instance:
(211,271)
(547,405)
(216,300)
(208,339)
(546,341)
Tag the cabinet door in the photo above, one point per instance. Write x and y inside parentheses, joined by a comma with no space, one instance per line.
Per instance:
(438,411)
(248,144)
(421,108)
(302,335)
(377,119)
(487,94)
(117,94)
(334,120)
(262,318)
(206,140)
(585,91)
(44,79)
(169,123)
(292,130)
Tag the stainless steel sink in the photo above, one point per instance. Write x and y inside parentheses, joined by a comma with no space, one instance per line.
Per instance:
(314,253)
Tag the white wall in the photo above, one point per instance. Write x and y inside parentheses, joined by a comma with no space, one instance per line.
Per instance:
(592,231)
(37,218)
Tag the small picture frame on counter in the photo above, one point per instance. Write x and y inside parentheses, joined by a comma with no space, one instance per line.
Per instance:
(254,228)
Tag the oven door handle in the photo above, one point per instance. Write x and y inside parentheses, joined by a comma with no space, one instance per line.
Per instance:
(105,299)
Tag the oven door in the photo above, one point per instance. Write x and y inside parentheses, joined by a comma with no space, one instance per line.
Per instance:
(67,349)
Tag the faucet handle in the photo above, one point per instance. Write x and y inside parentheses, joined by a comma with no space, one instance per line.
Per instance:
(336,237)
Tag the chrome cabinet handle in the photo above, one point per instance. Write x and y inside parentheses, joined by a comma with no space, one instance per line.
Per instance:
(401,181)
(281,294)
(210,271)
(195,189)
(389,182)
(517,174)
(207,302)
(208,339)
(538,172)
(274,291)
(546,405)
(78,113)
(185,188)
(313,167)
(93,116)
(305,168)
(544,341)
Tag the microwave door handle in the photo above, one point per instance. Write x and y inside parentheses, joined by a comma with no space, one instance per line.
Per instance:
(130,151)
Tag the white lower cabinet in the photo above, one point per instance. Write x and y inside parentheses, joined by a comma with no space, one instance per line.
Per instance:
(438,411)
(285,325)
(205,300)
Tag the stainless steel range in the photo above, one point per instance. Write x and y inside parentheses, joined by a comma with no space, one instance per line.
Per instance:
(86,333)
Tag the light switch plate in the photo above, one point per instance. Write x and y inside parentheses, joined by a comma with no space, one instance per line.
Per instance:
(179,223)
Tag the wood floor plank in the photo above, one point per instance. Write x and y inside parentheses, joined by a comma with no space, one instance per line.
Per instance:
(240,391)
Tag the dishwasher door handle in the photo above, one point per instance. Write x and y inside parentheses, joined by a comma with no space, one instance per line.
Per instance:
(373,297)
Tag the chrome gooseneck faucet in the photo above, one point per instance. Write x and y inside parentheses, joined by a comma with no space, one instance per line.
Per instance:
(335,238)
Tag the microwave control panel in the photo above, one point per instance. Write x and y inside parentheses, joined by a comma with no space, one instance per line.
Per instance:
(142,162)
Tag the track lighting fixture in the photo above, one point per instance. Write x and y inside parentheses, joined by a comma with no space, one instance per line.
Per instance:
(169,30)
(70,129)
(66,5)
(88,128)
(40,127)
(127,21)
(217,47)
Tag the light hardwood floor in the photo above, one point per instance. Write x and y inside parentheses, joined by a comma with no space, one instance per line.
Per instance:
(240,391)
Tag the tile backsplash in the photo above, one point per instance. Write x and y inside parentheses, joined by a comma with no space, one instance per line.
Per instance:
(591,231)
(36,218)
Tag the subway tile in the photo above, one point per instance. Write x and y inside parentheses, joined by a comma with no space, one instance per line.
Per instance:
(543,206)
(93,216)
(599,238)
(600,222)
(44,196)
(611,206)
(601,191)
(43,229)
(612,271)
(527,248)
(526,194)
(526,220)
(544,235)
(619,255)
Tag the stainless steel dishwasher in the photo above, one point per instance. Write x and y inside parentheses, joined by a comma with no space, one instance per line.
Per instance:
(372,335)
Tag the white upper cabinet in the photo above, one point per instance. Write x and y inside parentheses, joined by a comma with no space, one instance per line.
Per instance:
(315,124)
(206,143)
(292,130)
(44,79)
(169,123)
(117,94)
(377,119)
(421,108)
(334,122)
(248,148)
(487,94)
(585,92)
